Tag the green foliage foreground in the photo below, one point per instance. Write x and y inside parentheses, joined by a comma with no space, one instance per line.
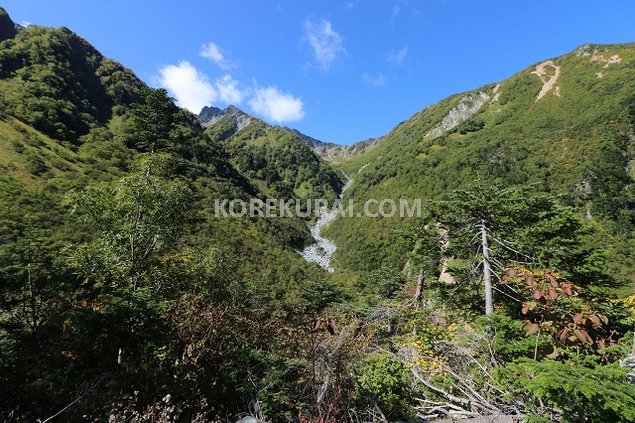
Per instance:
(122,298)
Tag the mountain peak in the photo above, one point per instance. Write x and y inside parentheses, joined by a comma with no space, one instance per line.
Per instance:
(335,152)
(209,115)
(7,27)
(209,112)
(233,109)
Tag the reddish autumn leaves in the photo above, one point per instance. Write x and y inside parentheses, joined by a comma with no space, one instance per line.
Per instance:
(544,286)
(553,308)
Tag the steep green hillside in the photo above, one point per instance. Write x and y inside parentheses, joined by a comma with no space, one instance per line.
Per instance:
(7,27)
(58,83)
(123,298)
(275,159)
(109,244)
(31,156)
(568,130)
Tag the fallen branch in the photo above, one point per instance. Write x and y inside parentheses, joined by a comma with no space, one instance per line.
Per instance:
(472,404)
(75,401)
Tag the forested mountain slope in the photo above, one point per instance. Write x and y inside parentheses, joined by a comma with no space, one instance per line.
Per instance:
(565,125)
(123,298)
(276,159)
(109,244)
(336,153)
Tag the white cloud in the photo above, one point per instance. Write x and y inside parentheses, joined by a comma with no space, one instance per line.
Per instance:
(212,52)
(397,57)
(192,89)
(217,55)
(324,41)
(376,81)
(275,105)
(25,24)
(229,90)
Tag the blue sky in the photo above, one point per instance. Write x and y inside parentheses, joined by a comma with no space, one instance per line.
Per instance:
(339,71)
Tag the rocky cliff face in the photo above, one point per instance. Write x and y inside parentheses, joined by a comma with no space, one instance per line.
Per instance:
(467,107)
(210,115)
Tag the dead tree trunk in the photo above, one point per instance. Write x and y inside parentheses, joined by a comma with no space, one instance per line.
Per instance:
(419,288)
(487,272)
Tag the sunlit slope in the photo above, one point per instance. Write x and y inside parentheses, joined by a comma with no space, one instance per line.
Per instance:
(565,124)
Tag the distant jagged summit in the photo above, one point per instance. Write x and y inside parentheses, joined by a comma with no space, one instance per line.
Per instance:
(335,152)
(8,29)
(231,120)
(210,115)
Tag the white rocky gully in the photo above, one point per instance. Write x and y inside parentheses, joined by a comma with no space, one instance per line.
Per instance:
(322,249)
(279,208)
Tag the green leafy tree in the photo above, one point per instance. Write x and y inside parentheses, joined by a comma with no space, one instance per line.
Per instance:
(506,225)
(153,121)
(140,220)
(384,383)
(569,393)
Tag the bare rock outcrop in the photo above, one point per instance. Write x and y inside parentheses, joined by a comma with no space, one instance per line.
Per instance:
(469,105)
(548,79)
